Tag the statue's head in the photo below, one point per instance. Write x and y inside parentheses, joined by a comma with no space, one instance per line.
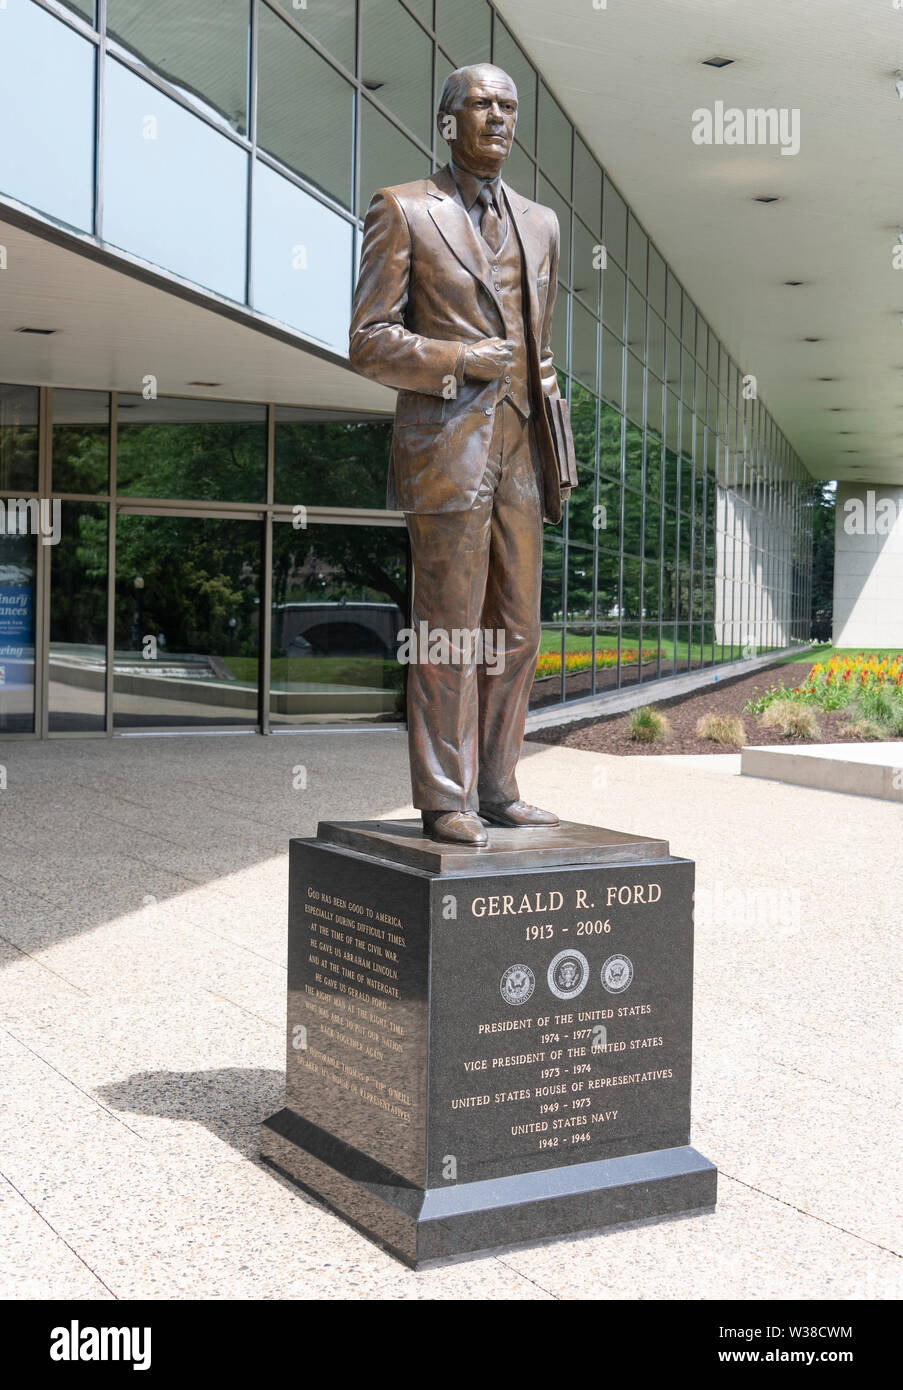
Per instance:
(476,117)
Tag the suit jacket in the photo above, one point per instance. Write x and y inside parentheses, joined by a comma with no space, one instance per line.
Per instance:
(423,293)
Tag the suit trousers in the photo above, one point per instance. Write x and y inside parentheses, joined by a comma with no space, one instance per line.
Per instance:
(477,571)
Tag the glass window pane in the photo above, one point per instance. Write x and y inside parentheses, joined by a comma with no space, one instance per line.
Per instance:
(201,48)
(585,271)
(583,405)
(302,260)
(18,439)
(637,246)
(81,441)
(674,302)
(634,402)
(636,320)
(210,451)
(614,224)
(464,29)
(18,555)
(187,622)
(555,133)
(330,459)
(547,195)
(584,332)
(175,191)
(331,24)
(609,442)
(387,156)
(656,351)
(614,282)
(512,59)
(587,186)
(612,354)
(83,7)
(77,697)
(424,10)
(47,99)
(319,146)
(339,603)
(519,172)
(396,59)
(657,279)
(609,512)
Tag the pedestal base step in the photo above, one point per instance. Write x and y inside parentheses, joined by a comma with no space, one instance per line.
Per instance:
(418,1226)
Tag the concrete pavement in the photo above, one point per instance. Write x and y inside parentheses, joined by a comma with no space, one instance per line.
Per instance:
(142,980)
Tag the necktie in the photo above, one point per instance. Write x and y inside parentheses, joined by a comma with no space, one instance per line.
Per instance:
(491,223)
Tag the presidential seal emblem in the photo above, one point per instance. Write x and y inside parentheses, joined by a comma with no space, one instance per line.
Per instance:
(568,974)
(617,973)
(518,983)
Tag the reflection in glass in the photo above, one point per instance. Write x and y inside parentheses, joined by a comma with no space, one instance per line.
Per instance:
(47,114)
(187,622)
(509,56)
(78,620)
(584,351)
(201,48)
(555,135)
(547,195)
(396,58)
(83,7)
(614,223)
(612,354)
(519,172)
(18,438)
(81,441)
(319,146)
(387,156)
(330,458)
(302,260)
(587,185)
(18,552)
(339,603)
(463,28)
(210,451)
(332,25)
(587,274)
(175,190)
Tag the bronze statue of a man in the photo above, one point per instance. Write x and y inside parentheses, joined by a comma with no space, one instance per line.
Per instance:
(453,307)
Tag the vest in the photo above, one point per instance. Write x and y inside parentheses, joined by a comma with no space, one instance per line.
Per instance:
(506,272)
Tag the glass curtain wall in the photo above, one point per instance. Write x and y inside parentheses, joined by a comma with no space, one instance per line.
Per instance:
(688,541)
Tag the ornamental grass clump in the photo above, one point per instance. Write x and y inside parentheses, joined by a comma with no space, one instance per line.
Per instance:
(791,718)
(880,705)
(866,729)
(725,729)
(649,725)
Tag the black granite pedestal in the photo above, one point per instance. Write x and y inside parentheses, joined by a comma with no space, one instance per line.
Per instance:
(488,1046)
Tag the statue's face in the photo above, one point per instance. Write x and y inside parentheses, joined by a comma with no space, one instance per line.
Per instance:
(485,115)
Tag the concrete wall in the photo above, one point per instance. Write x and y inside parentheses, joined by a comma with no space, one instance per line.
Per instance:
(868,566)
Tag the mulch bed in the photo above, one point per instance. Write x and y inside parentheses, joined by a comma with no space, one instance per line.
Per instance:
(611,734)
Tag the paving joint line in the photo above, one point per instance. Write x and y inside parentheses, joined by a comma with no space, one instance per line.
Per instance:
(875,1244)
(59,1236)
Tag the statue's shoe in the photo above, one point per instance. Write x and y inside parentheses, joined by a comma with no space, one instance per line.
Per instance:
(515,813)
(458,827)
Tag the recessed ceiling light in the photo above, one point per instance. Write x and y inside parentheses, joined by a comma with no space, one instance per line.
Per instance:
(767,198)
(203,383)
(838,407)
(717,62)
(826,378)
(44,332)
(371,84)
(794,282)
(813,340)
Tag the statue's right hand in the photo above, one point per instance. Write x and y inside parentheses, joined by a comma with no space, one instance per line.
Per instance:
(488,359)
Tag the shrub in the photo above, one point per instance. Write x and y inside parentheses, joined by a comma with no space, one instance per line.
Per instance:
(876,704)
(726,729)
(793,719)
(649,725)
(866,729)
